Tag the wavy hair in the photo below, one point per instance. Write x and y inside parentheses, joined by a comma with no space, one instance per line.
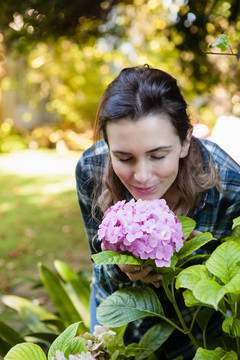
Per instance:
(142,91)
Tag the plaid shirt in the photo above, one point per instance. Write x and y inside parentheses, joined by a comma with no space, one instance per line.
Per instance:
(215,214)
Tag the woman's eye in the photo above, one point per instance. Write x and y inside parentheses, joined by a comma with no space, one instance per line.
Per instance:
(124,160)
(158,157)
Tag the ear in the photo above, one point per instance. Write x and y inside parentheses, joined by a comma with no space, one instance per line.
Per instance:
(186,144)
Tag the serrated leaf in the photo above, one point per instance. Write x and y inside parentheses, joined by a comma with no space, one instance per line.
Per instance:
(26,351)
(189,277)
(193,244)
(76,346)
(231,326)
(63,340)
(114,258)
(208,291)
(188,225)
(236,222)
(234,285)
(127,305)
(191,300)
(204,288)
(223,261)
(222,42)
(154,338)
(217,354)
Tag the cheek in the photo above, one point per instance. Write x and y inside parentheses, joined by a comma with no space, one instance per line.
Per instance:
(167,168)
(121,170)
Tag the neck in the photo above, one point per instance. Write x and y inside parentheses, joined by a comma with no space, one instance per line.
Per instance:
(172,196)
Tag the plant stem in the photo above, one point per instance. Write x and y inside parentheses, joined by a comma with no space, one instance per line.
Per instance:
(218,53)
(238,349)
(172,299)
(194,318)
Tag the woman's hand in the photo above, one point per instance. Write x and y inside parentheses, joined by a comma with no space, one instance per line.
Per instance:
(134,273)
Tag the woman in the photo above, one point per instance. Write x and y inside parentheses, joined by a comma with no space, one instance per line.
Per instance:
(148,152)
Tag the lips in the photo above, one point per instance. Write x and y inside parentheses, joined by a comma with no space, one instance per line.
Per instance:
(145,190)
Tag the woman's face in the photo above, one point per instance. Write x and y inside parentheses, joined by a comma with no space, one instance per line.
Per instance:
(145,155)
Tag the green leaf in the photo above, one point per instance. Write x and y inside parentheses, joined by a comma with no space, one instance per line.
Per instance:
(234,285)
(189,277)
(114,257)
(217,354)
(63,340)
(193,244)
(222,42)
(203,317)
(127,305)
(26,351)
(9,335)
(223,261)
(133,349)
(188,225)
(154,338)
(60,298)
(78,290)
(190,299)
(208,291)
(236,222)
(78,284)
(18,303)
(76,346)
(34,323)
(204,288)
(4,347)
(231,326)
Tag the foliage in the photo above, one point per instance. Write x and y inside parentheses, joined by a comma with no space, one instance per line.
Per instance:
(103,344)
(210,286)
(39,21)
(69,293)
(68,68)
(213,286)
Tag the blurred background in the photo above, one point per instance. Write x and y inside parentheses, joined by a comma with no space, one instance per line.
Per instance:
(56,58)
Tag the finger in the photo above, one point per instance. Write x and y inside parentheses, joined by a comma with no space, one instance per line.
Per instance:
(140,274)
(152,278)
(129,268)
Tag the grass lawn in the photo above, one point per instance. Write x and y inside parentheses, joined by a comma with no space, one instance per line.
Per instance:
(39,216)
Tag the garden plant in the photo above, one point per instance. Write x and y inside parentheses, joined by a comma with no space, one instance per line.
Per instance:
(212,285)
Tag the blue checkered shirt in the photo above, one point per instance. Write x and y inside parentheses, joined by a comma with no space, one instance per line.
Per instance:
(214,214)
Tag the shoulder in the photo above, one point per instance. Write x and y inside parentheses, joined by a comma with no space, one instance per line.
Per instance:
(228,168)
(92,160)
(220,158)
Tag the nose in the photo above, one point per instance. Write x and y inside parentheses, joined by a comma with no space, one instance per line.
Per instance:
(142,172)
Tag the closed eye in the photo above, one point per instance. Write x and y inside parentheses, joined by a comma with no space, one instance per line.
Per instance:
(158,157)
(125,160)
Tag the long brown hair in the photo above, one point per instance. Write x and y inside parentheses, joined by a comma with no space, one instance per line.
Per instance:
(143,91)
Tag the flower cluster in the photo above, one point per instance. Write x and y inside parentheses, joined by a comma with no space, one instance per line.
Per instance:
(96,345)
(82,356)
(146,229)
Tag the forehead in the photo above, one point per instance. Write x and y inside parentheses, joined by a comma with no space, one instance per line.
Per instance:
(150,131)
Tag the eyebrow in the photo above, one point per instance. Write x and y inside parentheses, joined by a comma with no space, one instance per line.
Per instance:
(149,151)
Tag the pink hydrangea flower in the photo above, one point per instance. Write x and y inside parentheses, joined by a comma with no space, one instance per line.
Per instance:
(148,229)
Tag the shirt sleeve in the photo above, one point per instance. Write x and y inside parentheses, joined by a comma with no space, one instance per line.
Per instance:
(109,276)
(85,185)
